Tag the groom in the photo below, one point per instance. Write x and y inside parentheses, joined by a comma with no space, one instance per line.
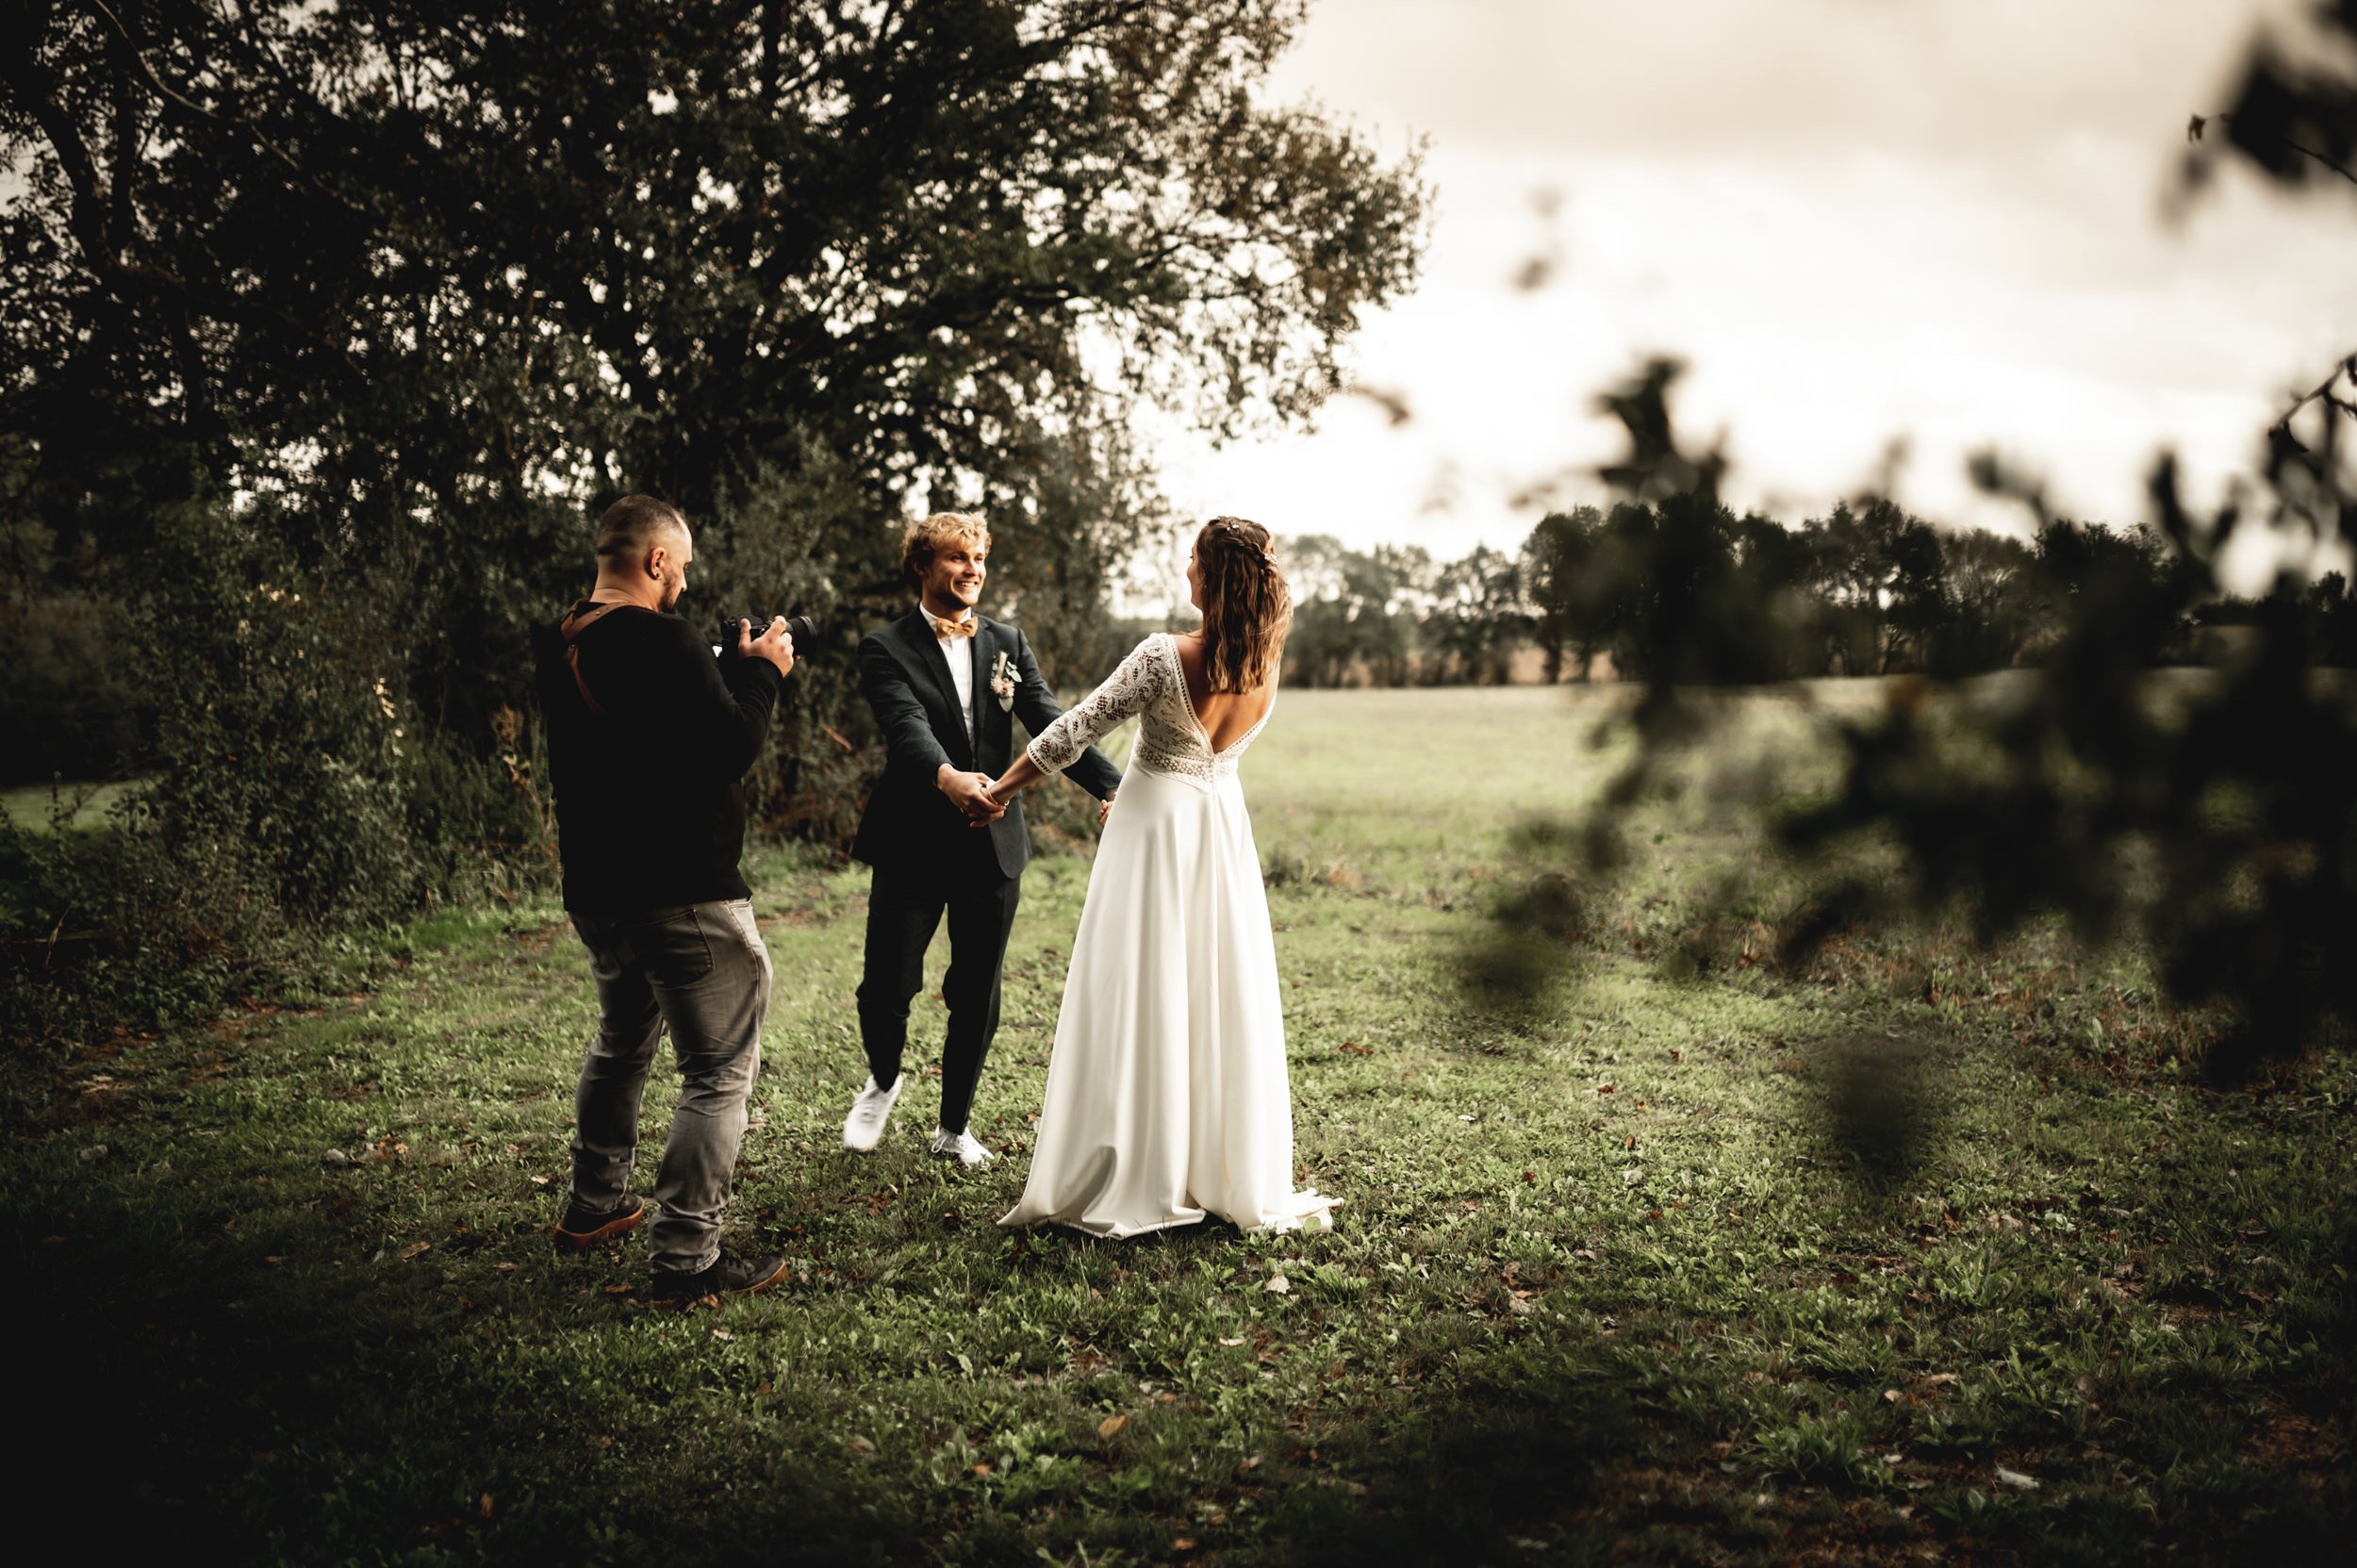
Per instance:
(946,684)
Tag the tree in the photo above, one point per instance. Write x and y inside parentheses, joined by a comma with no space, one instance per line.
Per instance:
(1477,619)
(1559,567)
(1987,611)
(437,282)
(374,305)
(1357,615)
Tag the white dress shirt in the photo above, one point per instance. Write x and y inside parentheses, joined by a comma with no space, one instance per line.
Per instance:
(960,653)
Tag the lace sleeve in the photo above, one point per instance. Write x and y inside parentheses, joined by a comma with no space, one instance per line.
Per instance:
(1126,691)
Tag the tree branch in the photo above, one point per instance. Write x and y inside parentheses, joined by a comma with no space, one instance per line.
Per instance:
(164,91)
(2201,122)
(2322,391)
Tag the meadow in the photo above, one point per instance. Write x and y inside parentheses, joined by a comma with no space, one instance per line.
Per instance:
(1615,1278)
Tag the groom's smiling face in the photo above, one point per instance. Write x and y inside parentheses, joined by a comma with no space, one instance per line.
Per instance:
(954,581)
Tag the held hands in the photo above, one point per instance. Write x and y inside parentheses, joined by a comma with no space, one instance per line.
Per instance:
(971,794)
(774,643)
(1105,808)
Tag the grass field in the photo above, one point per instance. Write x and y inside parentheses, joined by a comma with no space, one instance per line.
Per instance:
(1607,1286)
(79,807)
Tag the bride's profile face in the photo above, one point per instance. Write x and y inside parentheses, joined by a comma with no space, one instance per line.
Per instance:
(1195,581)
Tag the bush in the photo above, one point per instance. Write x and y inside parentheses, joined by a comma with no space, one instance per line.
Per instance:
(296,795)
(71,706)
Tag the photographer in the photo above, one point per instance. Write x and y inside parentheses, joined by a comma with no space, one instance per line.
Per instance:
(649,738)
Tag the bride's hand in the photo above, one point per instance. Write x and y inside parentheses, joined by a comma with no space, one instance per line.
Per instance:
(1105,808)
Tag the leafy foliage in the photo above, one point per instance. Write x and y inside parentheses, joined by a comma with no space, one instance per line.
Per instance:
(396,298)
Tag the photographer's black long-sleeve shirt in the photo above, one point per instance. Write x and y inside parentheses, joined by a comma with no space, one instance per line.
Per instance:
(649,804)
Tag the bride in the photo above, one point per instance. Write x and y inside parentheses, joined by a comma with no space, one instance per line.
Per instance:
(1166,1094)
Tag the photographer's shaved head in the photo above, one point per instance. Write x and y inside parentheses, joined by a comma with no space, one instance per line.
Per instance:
(635,524)
(643,550)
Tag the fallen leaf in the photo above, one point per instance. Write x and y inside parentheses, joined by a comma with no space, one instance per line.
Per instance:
(1941,1379)
(1278,1285)
(1249,1462)
(1632,1176)
(1226,1341)
(1110,1426)
(484,1506)
(2015,1478)
(1893,1395)
(413,1250)
(1604,1088)
(1182,1544)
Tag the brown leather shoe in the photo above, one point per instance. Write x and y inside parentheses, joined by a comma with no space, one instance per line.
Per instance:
(582,1229)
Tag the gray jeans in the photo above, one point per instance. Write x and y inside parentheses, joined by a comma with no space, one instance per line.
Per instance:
(704,971)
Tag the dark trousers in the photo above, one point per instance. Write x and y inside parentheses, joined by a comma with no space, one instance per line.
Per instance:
(702,971)
(904,909)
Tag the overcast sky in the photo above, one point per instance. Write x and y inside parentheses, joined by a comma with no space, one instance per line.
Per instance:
(1855,220)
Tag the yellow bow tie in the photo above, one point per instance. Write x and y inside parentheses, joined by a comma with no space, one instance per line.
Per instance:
(945,629)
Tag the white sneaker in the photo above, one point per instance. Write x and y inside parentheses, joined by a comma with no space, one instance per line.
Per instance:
(864,1128)
(963,1147)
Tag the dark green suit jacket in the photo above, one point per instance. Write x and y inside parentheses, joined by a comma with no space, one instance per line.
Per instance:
(906,680)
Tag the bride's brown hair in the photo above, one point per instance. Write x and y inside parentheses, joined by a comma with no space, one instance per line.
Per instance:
(1246,607)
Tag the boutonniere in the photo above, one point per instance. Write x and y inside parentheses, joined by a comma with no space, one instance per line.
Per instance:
(1002,683)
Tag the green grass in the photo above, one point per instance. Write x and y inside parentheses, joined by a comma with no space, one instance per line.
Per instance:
(1610,1283)
(76,807)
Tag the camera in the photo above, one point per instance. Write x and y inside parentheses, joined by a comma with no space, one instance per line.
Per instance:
(800,627)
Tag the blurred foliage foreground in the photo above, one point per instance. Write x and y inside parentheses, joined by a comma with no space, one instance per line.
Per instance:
(2217,818)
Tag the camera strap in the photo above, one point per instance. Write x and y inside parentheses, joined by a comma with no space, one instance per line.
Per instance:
(585,614)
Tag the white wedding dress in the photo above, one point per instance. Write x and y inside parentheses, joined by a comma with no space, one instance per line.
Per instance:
(1166,1094)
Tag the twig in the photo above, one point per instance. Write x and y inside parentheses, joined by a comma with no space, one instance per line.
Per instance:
(2323,390)
(2194,129)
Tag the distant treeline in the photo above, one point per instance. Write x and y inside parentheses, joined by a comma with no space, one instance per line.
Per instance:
(1865,590)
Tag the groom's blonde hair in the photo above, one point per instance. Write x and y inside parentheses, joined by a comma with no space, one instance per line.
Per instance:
(927,534)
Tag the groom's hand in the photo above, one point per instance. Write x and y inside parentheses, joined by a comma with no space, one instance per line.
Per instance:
(971,793)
